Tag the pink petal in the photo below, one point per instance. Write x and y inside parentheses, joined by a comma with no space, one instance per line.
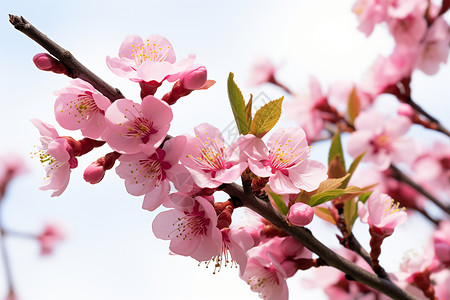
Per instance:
(281,184)
(308,175)
(157,196)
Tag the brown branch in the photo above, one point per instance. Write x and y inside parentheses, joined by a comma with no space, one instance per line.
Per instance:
(75,68)
(435,124)
(305,237)
(400,176)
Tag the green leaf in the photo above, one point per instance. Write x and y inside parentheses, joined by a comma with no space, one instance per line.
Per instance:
(363,197)
(237,105)
(336,149)
(279,202)
(345,194)
(352,169)
(350,213)
(266,117)
(248,111)
(331,184)
(325,196)
(336,169)
(353,105)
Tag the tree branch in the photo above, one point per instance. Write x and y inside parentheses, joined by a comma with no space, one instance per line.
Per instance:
(75,68)
(303,235)
(400,176)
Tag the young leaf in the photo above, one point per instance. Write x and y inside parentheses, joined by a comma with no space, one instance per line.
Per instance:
(336,149)
(279,202)
(336,169)
(350,213)
(266,117)
(344,195)
(248,111)
(353,105)
(324,213)
(237,105)
(331,184)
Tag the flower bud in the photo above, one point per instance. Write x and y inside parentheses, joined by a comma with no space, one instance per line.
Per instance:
(300,214)
(195,79)
(405,110)
(94,173)
(46,62)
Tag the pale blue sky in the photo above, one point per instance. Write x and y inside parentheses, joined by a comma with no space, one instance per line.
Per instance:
(110,252)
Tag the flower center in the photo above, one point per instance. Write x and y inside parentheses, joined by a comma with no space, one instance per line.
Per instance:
(381,142)
(391,207)
(283,156)
(149,52)
(212,157)
(190,225)
(263,282)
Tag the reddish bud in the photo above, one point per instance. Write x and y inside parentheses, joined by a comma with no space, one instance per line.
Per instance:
(405,110)
(94,173)
(195,79)
(46,62)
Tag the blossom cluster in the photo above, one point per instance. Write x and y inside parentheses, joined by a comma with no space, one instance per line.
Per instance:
(180,174)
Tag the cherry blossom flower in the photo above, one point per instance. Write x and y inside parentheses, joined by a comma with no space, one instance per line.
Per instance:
(235,244)
(382,139)
(434,50)
(80,106)
(266,277)
(149,175)
(210,162)
(432,168)
(150,60)
(406,21)
(370,13)
(263,70)
(381,213)
(304,109)
(441,240)
(56,155)
(50,236)
(190,227)
(134,127)
(285,161)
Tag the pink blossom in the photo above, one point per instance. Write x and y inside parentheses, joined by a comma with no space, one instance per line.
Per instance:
(266,277)
(56,156)
(11,165)
(80,106)
(134,127)
(432,168)
(150,60)
(304,109)
(387,71)
(406,21)
(51,236)
(149,175)
(381,213)
(190,227)
(235,244)
(434,50)
(210,162)
(263,70)
(285,161)
(382,139)
(370,13)
(300,214)
(441,239)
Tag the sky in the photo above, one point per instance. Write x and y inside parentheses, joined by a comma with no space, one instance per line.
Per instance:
(110,251)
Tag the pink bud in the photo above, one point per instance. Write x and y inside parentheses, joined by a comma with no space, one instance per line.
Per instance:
(46,62)
(195,79)
(405,110)
(300,214)
(442,252)
(94,173)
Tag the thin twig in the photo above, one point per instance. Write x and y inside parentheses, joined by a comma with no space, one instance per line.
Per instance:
(400,176)
(434,122)
(75,68)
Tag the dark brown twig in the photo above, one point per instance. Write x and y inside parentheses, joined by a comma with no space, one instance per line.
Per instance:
(75,68)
